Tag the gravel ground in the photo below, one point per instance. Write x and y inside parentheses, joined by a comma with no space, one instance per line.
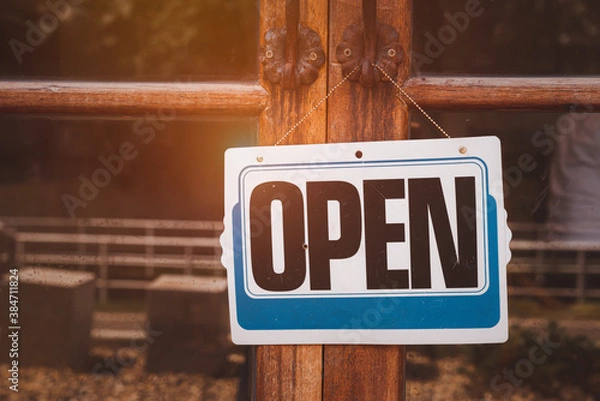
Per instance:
(131,383)
(447,378)
(450,379)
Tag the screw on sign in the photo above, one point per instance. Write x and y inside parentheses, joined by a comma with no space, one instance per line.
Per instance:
(317,236)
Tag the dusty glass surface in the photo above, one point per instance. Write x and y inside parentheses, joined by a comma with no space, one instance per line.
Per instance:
(512,37)
(132,40)
(110,277)
(521,134)
(550,166)
(171,168)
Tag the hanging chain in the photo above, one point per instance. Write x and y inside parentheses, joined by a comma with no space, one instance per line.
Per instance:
(317,105)
(320,102)
(411,99)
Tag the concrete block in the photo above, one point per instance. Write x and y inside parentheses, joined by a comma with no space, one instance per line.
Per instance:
(55,316)
(191,314)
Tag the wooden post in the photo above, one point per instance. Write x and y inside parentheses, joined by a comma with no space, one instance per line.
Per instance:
(291,373)
(366,114)
(353,113)
(286,107)
(363,372)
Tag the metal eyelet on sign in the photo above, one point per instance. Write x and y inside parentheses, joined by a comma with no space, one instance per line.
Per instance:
(359,154)
(259,159)
(462,150)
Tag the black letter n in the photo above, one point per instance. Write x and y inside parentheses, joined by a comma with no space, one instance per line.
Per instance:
(427,198)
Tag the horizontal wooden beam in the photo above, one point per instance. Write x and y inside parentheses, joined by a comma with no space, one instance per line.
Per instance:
(443,93)
(131,98)
(458,93)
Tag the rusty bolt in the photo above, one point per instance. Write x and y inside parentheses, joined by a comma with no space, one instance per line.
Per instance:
(313,56)
(347,52)
(269,53)
(392,53)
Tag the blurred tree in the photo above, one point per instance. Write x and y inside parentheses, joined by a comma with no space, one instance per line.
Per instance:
(539,37)
(134,39)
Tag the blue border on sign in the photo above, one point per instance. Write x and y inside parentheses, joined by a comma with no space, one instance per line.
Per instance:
(447,311)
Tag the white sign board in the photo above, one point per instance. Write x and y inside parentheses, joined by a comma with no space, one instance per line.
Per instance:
(396,242)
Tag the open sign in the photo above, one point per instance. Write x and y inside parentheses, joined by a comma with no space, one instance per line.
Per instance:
(384,242)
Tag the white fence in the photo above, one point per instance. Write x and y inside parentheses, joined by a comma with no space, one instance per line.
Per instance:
(106,244)
(576,263)
(187,246)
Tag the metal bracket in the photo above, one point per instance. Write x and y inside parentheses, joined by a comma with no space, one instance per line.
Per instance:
(369,43)
(292,55)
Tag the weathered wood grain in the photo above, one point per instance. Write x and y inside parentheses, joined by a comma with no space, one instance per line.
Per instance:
(365,114)
(286,107)
(67,97)
(357,113)
(514,93)
(365,373)
(291,373)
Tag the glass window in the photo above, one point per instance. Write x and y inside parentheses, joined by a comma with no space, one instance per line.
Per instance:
(129,40)
(110,228)
(156,166)
(525,141)
(550,168)
(512,37)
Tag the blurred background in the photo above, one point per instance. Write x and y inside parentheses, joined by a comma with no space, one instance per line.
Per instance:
(171,184)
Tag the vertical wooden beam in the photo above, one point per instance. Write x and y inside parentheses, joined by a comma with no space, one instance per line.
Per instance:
(353,114)
(363,372)
(365,114)
(286,107)
(291,373)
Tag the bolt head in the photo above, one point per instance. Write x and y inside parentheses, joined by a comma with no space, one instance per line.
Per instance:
(269,53)
(313,56)
(391,53)
(347,52)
